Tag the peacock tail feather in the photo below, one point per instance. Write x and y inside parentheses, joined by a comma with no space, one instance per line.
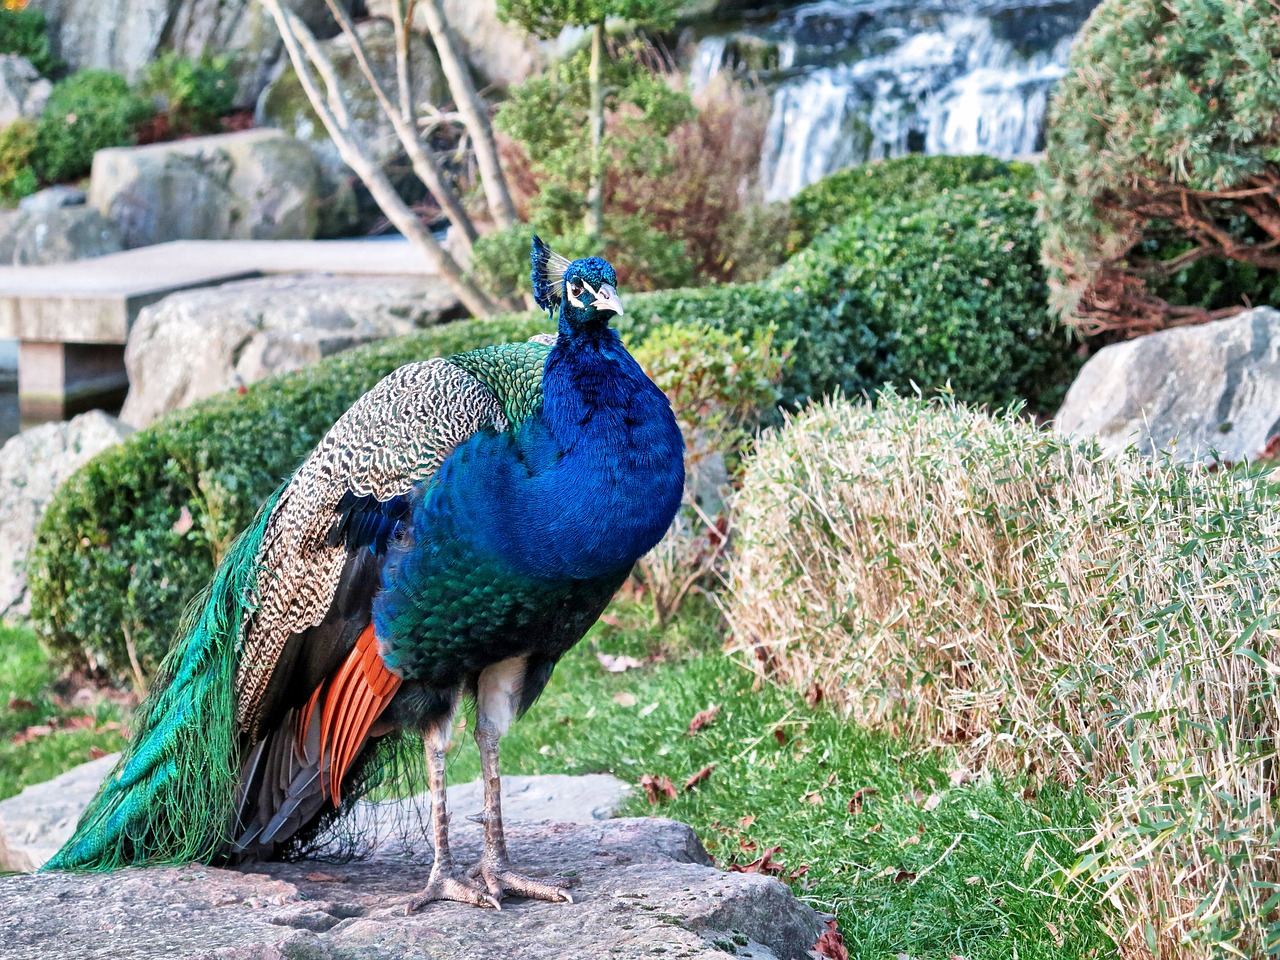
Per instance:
(171,796)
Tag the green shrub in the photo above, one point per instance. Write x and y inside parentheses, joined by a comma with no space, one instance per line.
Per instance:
(26,33)
(872,187)
(193,95)
(86,112)
(17,145)
(959,577)
(1162,167)
(949,290)
(131,537)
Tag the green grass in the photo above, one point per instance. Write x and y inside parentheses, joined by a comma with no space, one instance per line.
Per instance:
(925,867)
(28,699)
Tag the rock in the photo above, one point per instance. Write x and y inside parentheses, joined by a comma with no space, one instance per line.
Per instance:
(642,888)
(255,185)
(1192,390)
(32,466)
(53,198)
(126,35)
(499,53)
(54,235)
(239,333)
(344,207)
(40,819)
(23,91)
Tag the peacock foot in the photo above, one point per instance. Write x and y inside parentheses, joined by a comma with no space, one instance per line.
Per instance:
(500,880)
(449,884)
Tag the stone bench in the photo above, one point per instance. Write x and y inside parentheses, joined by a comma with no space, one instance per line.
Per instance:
(72,320)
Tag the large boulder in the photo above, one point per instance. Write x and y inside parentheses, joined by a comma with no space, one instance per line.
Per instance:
(126,35)
(1205,392)
(344,206)
(239,333)
(499,53)
(641,888)
(32,466)
(255,185)
(47,235)
(23,91)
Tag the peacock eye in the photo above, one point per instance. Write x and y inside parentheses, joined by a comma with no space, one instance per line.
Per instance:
(575,289)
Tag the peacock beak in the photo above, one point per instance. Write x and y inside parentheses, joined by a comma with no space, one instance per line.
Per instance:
(608,299)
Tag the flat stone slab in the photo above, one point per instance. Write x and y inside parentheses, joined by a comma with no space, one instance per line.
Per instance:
(641,887)
(96,300)
(37,821)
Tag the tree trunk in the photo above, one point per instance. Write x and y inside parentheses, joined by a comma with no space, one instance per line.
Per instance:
(330,106)
(595,191)
(475,114)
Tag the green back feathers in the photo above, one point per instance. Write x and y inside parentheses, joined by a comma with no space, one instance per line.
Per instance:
(512,371)
(170,798)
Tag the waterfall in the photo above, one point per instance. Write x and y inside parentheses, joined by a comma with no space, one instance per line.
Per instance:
(861,80)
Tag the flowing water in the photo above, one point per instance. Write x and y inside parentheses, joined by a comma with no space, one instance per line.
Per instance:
(857,80)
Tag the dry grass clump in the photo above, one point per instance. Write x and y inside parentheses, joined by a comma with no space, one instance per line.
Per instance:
(966,578)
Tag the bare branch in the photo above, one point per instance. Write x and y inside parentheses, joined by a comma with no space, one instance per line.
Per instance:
(475,113)
(425,165)
(305,54)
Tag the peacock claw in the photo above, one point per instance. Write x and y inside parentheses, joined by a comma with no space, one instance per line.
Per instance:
(500,880)
(449,885)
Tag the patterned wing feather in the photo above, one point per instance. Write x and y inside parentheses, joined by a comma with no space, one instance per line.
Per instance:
(513,371)
(393,437)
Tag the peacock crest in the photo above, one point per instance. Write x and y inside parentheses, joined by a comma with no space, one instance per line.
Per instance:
(548,275)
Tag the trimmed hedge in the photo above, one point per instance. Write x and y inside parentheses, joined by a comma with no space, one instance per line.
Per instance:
(948,290)
(871,187)
(87,112)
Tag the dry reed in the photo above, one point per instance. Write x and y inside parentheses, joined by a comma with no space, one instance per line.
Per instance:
(968,579)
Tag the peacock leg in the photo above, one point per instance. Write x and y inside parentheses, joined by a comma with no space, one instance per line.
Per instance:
(447,880)
(496,701)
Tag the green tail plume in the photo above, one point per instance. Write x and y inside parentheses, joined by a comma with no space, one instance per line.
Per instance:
(170,797)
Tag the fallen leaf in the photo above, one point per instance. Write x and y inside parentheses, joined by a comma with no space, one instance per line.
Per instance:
(658,787)
(972,880)
(931,803)
(78,723)
(184,521)
(960,776)
(747,821)
(17,703)
(1028,793)
(703,718)
(319,877)
(96,753)
(813,696)
(619,664)
(645,711)
(747,846)
(699,777)
(780,735)
(31,733)
(902,876)
(855,802)
(624,699)
(762,864)
(831,943)
(913,839)
(813,798)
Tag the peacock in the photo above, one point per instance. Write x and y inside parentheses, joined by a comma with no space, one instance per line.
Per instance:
(455,532)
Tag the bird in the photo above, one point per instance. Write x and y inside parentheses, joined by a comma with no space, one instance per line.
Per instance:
(449,539)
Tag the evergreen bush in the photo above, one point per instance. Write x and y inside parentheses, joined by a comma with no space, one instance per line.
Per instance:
(87,112)
(17,147)
(872,187)
(1161,195)
(26,33)
(193,95)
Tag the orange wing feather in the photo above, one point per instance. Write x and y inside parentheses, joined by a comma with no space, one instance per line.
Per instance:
(357,694)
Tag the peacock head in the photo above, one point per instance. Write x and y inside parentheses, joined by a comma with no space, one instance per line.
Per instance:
(584,291)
